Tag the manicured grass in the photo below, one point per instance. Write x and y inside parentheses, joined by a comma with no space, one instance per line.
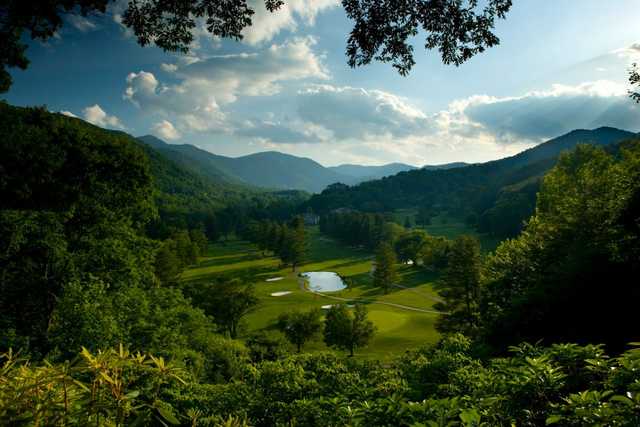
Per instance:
(449,227)
(398,329)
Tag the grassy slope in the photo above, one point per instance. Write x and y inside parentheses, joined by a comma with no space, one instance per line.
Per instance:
(449,227)
(398,329)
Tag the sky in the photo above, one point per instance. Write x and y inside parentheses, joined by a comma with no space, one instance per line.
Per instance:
(561,65)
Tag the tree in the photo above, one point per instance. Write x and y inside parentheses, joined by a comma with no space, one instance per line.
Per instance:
(382,30)
(434,253)
(167,264)
(548,283)
(384,274)
(460,287)
(346,330)
(408,246)
(227,301)
(297,244)
(300,327)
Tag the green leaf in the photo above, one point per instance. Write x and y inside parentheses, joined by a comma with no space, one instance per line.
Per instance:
(554,419)
(167,415)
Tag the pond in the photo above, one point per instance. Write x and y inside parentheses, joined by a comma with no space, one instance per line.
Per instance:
(324,281)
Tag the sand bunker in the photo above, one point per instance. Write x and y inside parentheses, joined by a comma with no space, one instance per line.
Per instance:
(280,294)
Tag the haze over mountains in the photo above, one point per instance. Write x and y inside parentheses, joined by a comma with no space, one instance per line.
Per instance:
(275,170)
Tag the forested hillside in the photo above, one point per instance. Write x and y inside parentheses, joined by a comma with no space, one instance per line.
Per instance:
(496,196)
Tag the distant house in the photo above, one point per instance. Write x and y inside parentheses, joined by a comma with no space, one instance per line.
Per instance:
(311,219)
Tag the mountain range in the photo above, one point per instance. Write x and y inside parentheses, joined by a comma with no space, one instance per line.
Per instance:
(275,170)
(496,196)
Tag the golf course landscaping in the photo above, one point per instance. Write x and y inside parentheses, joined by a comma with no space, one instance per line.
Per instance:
(404,317)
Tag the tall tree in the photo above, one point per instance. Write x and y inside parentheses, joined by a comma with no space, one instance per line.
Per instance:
(346,330)
(300,327)
(385,273)
(460,287)
(297,242)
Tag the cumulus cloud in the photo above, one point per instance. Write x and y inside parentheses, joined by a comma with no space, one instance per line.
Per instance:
(166,130)
(540,115)
(357,113)
(373,125)
(96,115)
(267,25)
(68,114)
(207,84)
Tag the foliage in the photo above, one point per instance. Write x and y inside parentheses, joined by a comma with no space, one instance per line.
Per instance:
(548,283)
(460,287)
(300,327)
(114,387)
(346,330)
(384,273)
(287,241)
(458,30)
(226,301)
(431,386)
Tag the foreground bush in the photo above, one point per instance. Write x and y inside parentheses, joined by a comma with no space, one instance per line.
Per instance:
(443,385)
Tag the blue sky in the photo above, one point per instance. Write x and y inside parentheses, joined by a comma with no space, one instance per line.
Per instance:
(561,65)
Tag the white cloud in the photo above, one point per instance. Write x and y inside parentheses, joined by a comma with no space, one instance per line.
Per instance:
(208,84)
(169,68)
(357,113)
(166,130)
(81,23)
(629,52)
(96,115)
(267,25)
(68,114)
(545,114)
(357,124)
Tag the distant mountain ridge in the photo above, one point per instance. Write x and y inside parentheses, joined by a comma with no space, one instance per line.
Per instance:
(272,169)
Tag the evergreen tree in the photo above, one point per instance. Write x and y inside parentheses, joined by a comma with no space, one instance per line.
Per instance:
(167,264)
(461,287)
(385,274)
(297,242)
(346,330)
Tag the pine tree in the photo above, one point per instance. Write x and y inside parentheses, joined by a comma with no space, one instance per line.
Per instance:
(461,287)
(297,242)
(385,274)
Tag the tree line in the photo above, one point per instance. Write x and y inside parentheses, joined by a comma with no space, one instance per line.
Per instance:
(286,240)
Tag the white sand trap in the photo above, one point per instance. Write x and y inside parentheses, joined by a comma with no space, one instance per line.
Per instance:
(327,307)
(274,279)
(280,294)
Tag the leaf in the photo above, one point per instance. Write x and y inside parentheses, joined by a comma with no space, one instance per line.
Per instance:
(554,419)
(132,394)
(168,416)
